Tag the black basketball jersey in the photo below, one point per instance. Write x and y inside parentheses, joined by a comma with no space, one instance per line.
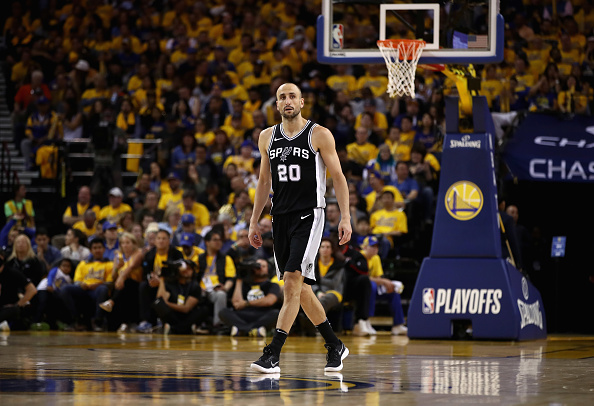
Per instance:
(298,172)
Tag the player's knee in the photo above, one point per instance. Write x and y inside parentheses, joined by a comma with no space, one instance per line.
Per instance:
(293,283)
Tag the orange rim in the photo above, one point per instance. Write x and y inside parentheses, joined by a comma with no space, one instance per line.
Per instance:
(410,43)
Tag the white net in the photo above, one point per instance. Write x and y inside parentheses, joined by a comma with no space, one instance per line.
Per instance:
(401,58)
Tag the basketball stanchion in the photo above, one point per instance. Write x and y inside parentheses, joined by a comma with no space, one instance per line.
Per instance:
(465,287)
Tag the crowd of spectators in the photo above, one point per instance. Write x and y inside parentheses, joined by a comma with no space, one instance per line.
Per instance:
(201,77)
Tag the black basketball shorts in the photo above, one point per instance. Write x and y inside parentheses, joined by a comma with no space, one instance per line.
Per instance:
(297,238)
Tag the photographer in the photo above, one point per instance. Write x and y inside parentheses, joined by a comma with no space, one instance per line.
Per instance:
(254,300)
(151,267)
(177,298)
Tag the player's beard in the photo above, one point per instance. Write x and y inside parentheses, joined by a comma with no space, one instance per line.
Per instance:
(290,116)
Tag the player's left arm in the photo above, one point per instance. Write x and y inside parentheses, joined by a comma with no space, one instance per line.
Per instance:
(323,141)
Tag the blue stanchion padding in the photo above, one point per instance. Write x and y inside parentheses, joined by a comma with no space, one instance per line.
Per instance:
(466,222)
(491,294)
(465,279)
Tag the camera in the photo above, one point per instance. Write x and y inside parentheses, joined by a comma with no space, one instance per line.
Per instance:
(245,268)
(170,269)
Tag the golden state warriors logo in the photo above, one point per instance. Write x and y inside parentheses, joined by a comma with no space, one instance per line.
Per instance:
(464,200)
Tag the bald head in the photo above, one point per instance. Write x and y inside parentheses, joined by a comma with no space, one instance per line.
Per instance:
(287,88)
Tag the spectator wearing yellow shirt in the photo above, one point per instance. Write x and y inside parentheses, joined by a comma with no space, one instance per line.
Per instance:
(378,122)
(99,92)
(383,288)
(569,55)
(241,54)
(407,137)
(525,78)
(174,197)
(377,184)
(88,224)
(374,81)
(244,160)
(202,134)
(216,274)
(491,86)
(230,90)
(23,68)
(126,37)
(253,106)
(237,105)
(397,149)
(341,81)
(272,8)
(229,38)
(537,55)
(257,78)
(198,211)
(389,222)
(90,284)
(361,151)
(571,99)
(189,250)
(135,81)
(246,67)
(115,208)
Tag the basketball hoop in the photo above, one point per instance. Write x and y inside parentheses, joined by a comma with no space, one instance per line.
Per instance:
(401,56)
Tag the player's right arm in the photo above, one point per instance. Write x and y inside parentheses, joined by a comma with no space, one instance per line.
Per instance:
(262,188)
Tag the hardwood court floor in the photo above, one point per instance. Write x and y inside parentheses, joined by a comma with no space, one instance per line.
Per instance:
(52,368)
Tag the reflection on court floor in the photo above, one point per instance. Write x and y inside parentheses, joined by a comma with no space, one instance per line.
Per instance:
(102,368)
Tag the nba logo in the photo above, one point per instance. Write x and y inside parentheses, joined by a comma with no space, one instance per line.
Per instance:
(337,36)
(428,301)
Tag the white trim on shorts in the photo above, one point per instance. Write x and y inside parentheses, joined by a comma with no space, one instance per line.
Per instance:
(308,268)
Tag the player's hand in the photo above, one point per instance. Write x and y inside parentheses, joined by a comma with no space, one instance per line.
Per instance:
(344,231)
(255,236)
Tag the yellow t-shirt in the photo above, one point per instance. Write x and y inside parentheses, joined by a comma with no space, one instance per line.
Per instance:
(200,213)
(361,154)
(196,251)
(93,271)
(377,84)
(491,89)
(243,165)
(80,225)
(81,210)
(135,274)
(383,221)
(344,83)
(158,263)
(170,198)
(113,214)
(375,266)
(371,198)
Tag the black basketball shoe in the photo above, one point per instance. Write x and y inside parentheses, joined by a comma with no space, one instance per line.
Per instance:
(336,353)
(268,362)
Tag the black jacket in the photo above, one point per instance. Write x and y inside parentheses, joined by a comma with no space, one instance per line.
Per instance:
(149,259)
(221,260)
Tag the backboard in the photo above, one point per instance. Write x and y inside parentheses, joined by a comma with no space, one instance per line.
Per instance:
(456,31)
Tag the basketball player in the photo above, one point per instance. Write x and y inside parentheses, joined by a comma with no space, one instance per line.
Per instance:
(295,155)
